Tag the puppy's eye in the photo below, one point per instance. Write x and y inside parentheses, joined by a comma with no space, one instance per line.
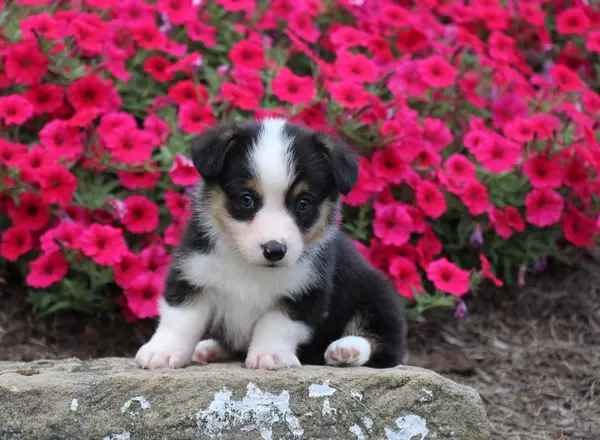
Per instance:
(303,204)
(246,200)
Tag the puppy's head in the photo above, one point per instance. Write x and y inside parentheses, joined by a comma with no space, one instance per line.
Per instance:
(272,187)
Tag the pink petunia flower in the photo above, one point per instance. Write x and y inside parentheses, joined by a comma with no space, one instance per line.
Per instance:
(393,225)
(141,214)
(104,244)
(16,241)
(448,277)
(143,294)
(47,269)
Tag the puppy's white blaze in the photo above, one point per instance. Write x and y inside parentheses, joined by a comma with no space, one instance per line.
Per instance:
(349,350)
(275,340)
(270,157)
(178,331)
(271,162)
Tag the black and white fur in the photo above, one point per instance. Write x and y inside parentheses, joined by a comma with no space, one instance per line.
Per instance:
(263,273)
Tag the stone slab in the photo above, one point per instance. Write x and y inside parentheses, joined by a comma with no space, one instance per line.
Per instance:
(112,399)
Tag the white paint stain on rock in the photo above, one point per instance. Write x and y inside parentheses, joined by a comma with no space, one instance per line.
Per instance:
(410,426)
(357,431)
(74,405)
(316,390)
(144,404)
(258,411)
(123,436)
(328,409)
(357,395)
(368,422)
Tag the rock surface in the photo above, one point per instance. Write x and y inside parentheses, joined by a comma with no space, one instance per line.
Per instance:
(111,399)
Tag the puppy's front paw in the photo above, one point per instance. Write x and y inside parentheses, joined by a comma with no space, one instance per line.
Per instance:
(349,350)
(210,350)
(158,354)
(275,360)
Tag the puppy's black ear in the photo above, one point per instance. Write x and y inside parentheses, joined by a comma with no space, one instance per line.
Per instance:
(343,161)
(210,148)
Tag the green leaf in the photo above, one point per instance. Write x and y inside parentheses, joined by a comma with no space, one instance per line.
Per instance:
(213,79)
(166,158)
(57,306)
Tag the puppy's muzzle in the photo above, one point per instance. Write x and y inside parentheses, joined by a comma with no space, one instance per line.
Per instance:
(274,250)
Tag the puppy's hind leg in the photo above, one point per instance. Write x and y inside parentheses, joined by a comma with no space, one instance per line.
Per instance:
(350,351)
(353,349)
(363,344)
(210,350)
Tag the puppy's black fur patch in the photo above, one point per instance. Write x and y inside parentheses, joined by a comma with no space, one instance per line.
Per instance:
(353,290)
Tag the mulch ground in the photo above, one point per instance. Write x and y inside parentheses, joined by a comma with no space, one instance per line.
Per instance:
(533,355)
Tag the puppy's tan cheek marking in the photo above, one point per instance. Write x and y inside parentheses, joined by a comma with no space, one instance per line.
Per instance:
(218,210)
(318,231)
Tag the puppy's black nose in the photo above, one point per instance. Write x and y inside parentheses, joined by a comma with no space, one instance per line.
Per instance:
(274,250)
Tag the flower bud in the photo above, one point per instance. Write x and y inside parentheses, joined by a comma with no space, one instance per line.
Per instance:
(541,263)
(461,310)
(477,236)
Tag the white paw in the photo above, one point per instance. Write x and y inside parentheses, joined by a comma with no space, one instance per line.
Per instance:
(272,360)
(349,350)
(209,350)
(158,354)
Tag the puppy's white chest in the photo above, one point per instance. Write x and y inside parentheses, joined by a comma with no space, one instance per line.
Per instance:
(234,318)
(239,294)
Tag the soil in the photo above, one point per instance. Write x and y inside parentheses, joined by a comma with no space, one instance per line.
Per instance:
(532,354)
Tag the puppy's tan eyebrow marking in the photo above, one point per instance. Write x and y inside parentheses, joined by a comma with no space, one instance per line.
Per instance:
(299,188)
(254,186)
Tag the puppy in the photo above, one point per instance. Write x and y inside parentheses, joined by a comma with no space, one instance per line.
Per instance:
(263,273)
